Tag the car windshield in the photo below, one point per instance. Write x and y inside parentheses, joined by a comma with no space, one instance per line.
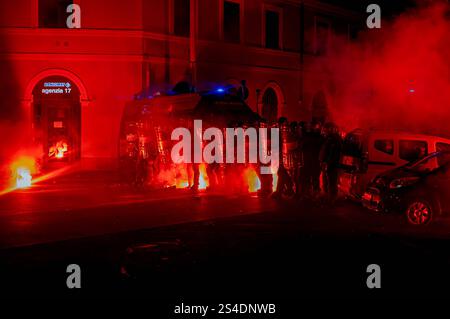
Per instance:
(430,163)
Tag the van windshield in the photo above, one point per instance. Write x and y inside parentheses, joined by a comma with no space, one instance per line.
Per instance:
(353,145)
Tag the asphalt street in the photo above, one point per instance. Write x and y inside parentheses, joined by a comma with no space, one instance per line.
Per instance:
(175,243)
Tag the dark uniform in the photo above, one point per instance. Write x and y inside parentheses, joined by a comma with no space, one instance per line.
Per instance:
(296,156)
(284,182)
(195,166)
(330,155)
(310,172)
(265,179)
(196,179)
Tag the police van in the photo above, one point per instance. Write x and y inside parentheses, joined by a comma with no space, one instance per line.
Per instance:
(367,153)
(145,134)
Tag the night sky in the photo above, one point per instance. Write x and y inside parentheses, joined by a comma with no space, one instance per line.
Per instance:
(389,8)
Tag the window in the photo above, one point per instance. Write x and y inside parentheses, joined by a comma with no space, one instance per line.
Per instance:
(442,147)
(385,146)
(52,13)
(231,22)
(322,37)
(411,150)
(272,29)
(181,15)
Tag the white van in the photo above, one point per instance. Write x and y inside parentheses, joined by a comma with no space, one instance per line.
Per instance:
(369,153)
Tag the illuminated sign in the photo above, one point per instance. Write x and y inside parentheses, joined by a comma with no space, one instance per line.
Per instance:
(58,124)
(56,88)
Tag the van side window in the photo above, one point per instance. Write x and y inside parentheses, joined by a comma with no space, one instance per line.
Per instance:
(411,150)
(385,146)
(442,147)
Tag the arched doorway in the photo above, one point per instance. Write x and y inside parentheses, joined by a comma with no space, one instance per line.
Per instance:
(56,110)
(270,105)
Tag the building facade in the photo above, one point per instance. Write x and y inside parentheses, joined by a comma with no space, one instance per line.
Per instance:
(132,48)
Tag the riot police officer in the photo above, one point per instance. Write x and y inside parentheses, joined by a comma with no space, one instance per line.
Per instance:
(284,182)
(310,149)
(265,179)
(330,155)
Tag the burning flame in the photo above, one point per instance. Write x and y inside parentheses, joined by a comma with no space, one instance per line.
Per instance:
(252,179)
(174,176)
(21,170)
(180,176)
(274,181)
(58,150)
(204,180)
(182,184)
(23,179)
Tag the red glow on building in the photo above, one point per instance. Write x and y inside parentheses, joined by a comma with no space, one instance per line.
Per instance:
(71,85)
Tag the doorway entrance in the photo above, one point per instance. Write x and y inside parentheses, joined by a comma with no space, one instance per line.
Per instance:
(57,119)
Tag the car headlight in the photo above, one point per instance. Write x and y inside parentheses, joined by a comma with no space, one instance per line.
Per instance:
(402,182)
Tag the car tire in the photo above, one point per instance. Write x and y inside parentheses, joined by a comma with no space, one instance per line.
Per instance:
(419,212)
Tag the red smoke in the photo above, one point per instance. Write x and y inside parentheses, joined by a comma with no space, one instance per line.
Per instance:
(395,77)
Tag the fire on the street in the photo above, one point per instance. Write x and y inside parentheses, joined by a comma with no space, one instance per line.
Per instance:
(204,180)
(25,172)
(22,170)
(182,177)
(23,179)
(254,184)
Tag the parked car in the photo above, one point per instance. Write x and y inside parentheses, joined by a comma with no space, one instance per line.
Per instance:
(367,153)
(420,189)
